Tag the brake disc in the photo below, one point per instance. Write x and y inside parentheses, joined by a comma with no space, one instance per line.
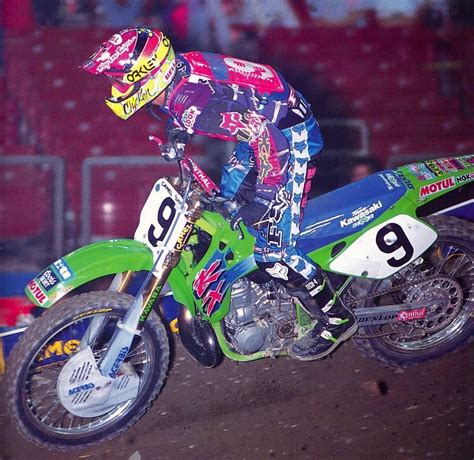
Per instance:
(85,392)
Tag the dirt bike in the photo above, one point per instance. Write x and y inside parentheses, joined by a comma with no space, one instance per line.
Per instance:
(89,368)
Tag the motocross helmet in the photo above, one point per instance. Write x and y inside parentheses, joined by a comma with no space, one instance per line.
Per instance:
(140,64)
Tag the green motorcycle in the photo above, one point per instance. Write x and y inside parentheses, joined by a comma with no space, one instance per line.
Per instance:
(397,247)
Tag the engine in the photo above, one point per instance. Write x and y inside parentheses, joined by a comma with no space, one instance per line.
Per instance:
(261,317)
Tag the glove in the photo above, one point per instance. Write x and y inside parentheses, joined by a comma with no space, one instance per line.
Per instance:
(250,214)
(254,212)
(177,135)
(177,140)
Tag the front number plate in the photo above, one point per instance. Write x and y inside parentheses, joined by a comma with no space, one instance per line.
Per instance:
(162,219)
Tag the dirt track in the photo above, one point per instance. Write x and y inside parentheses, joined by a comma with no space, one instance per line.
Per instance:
(345,407)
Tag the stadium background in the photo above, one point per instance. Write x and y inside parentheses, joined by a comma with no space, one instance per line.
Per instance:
(390,83)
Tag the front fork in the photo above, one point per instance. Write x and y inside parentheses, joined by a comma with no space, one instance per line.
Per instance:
(120,283)
(133,321)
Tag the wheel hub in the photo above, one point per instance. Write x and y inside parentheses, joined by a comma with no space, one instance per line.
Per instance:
(447,296)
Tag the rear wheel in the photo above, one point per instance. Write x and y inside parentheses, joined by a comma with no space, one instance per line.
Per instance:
(37,360)
(444,275)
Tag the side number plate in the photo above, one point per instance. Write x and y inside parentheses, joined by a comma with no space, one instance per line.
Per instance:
(386,248)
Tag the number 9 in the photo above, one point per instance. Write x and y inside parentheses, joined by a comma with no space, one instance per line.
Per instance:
(388,247)
(164,221)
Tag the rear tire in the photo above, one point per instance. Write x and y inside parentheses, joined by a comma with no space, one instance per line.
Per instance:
(35,362)
(452,255)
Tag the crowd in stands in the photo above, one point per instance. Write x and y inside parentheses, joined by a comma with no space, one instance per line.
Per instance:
(405,69)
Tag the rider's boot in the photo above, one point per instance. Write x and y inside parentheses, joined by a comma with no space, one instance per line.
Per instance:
(335,323)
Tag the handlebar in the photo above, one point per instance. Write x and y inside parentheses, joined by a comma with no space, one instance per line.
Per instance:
(174,151)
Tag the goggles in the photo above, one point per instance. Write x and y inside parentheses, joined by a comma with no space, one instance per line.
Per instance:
(137,95)
(118,83)
(125,105)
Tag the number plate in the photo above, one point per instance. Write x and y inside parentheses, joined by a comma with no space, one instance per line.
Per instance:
(162,219)
(386,248)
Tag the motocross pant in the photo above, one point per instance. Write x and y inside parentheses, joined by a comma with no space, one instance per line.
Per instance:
(275,249)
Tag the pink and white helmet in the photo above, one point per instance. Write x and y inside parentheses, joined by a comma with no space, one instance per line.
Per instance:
(140,64)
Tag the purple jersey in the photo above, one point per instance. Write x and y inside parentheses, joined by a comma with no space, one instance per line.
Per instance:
(232,99)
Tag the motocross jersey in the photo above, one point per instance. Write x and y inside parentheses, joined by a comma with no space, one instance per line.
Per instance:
(277,136)
(232,99)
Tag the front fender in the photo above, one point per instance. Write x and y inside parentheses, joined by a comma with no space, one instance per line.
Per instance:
(86,264)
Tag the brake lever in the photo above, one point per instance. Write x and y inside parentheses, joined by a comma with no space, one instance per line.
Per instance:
(170,152)
(156,140)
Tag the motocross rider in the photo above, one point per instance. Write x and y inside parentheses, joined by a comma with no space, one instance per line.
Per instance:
(270,170)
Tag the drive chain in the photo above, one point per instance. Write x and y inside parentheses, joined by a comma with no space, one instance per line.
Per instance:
(399,287)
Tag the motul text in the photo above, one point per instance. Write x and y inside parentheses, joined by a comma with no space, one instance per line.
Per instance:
(436,187)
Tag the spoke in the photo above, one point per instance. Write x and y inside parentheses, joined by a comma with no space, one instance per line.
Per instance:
(59,421)
(460,258)
(81,421)
(44,418)
(442,259)
(136,353)
(467,270)
(93,331)
(54,368)
(49,392)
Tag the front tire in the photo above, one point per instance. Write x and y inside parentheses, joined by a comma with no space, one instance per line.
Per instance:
(36,361)
(448,271)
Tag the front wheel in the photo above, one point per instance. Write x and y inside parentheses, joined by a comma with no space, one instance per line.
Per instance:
(444,275)
(36,362)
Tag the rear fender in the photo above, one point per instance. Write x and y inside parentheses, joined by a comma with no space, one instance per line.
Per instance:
(431,180)
(86,264)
